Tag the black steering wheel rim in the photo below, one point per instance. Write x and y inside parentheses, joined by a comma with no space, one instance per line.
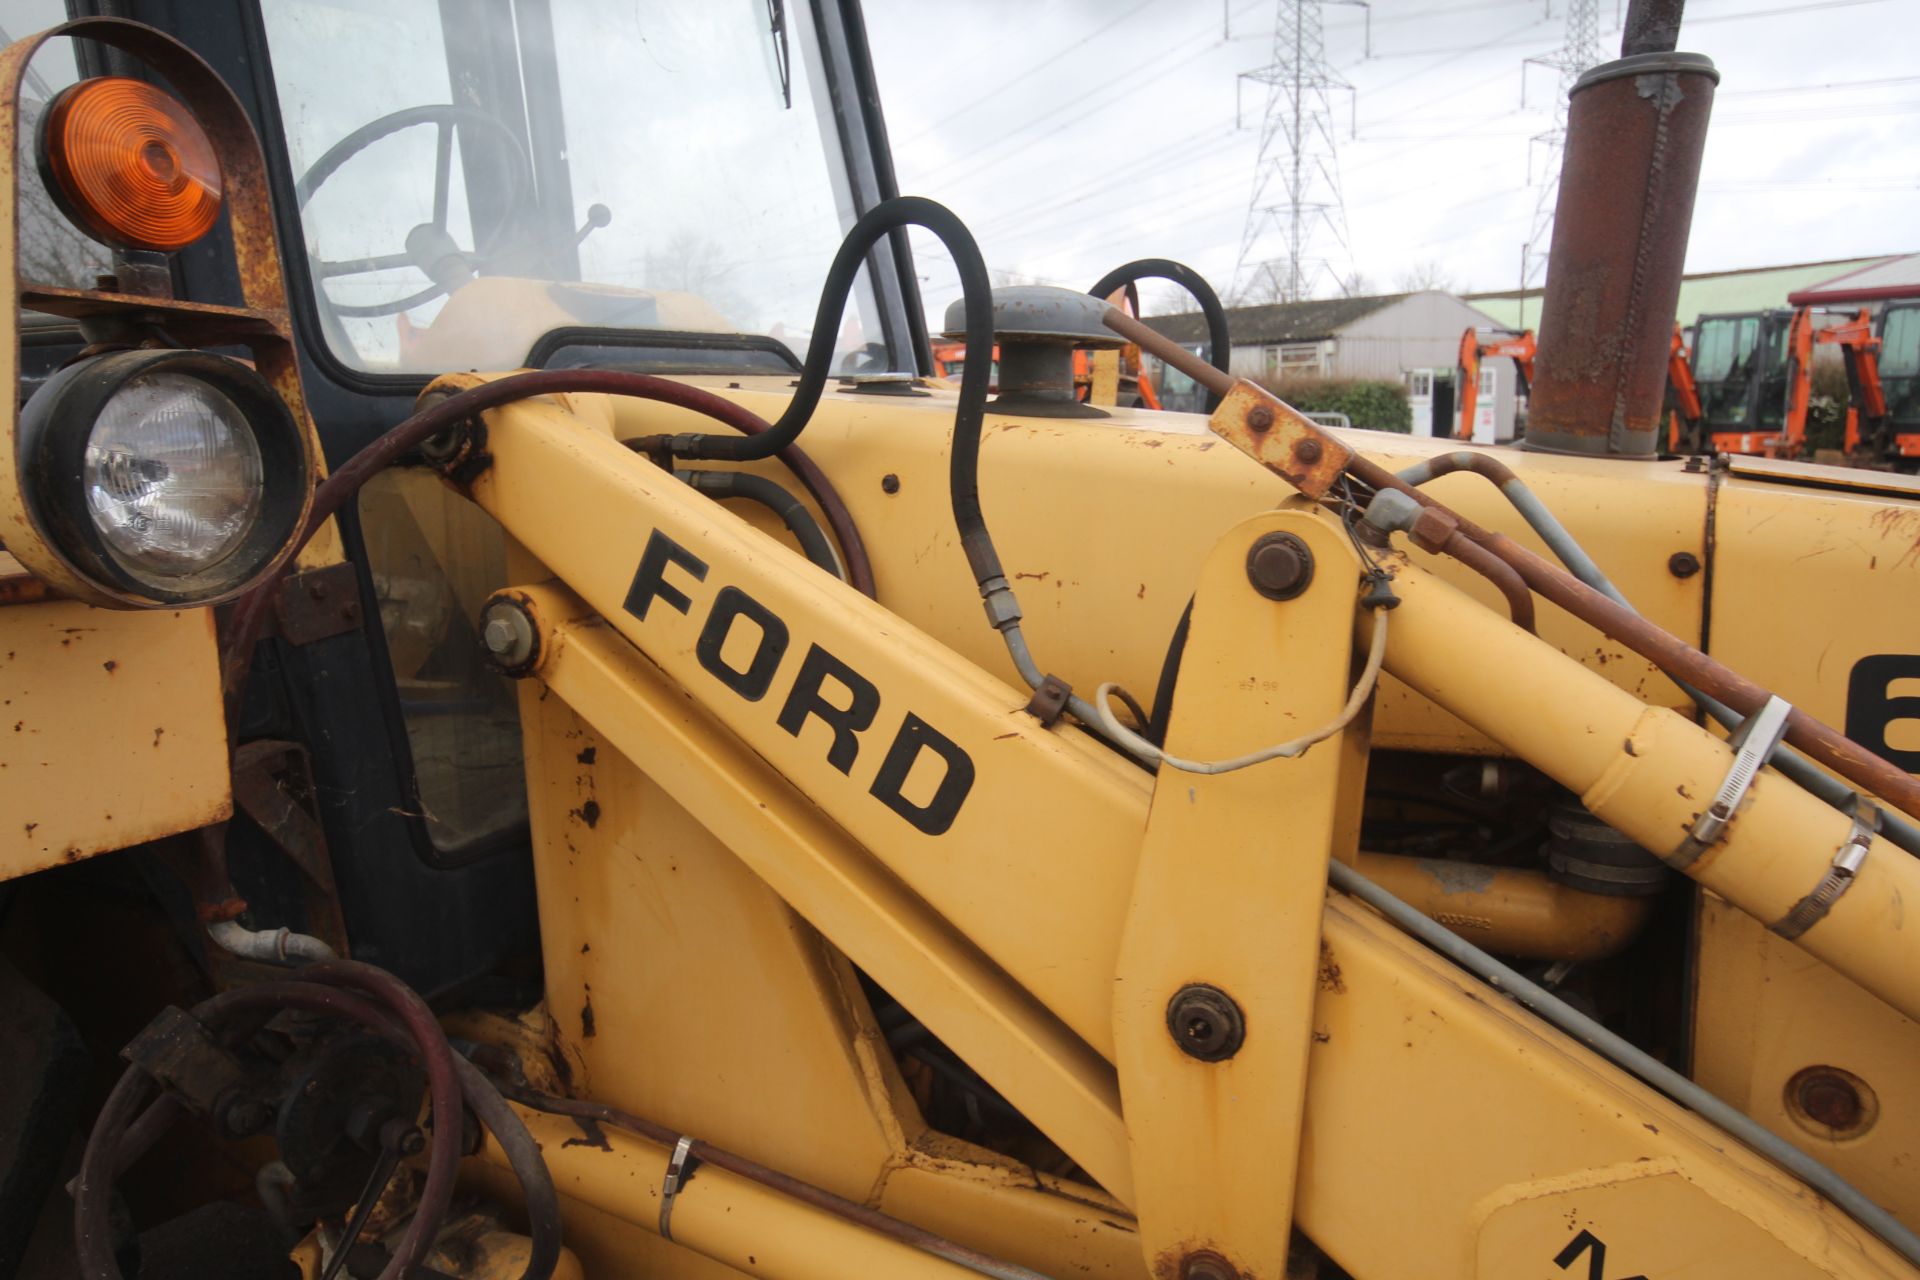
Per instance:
(448,117)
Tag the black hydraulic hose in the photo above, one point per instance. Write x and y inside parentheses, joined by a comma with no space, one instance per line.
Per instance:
(1219,346)
(1156,727)
(774,497)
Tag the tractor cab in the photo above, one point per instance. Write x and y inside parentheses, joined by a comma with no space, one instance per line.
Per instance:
(1741,367)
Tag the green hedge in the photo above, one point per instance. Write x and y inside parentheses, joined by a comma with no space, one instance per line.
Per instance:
(1374,405)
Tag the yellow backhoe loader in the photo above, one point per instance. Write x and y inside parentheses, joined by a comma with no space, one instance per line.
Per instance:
(534,743)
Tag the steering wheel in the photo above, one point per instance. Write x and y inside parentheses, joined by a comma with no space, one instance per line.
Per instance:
(447,118)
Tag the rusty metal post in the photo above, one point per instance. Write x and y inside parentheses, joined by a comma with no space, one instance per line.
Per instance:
(1635,130)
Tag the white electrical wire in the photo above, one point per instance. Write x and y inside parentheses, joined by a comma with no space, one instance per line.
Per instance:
(1362,689)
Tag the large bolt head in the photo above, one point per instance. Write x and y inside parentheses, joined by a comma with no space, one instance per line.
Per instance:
(508,637)
(1279,565)
(1205,1022)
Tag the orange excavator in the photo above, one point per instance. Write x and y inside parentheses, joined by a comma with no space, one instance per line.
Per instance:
(1519,347)
(1896,438)
(1747,384)
(1683,397)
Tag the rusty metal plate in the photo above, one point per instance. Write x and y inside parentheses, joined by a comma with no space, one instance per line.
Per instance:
(318,604)
(1280,438)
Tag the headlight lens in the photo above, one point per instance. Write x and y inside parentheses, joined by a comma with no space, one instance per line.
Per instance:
(172,474)
(161,477)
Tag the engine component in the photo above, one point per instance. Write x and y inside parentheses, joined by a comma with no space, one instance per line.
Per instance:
(1587,854)
(1038,328)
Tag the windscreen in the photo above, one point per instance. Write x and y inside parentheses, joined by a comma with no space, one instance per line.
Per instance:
(475,174)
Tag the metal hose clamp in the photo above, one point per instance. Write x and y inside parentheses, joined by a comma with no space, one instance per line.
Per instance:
(1846,864)
(1753,742)
(679,1169)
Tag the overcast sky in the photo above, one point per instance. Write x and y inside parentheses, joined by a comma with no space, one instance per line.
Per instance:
(1074,135)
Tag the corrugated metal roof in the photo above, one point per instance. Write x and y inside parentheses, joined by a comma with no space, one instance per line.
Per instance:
(1278,322)
(1889,278)
(1703,293)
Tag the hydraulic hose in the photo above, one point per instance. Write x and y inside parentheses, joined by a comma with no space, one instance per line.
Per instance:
(248,618)
(792,512)
(1219,345)
(385,1005)
(1896,827)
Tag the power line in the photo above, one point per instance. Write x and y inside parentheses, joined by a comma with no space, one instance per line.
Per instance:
(1074,46)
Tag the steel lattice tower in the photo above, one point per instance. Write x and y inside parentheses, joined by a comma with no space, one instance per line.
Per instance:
(1580,52)
(1298,162)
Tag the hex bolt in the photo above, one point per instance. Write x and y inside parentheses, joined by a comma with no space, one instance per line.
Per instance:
(1206,1023)
(889,483)
(1307,450)
(1683,564)
(1260,417)
(508,637)
(1207,1265)
(1279,565)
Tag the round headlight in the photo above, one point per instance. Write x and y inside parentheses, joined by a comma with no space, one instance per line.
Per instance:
(164,477)
(172,474)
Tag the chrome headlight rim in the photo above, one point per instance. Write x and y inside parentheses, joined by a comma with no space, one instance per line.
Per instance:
(57,424)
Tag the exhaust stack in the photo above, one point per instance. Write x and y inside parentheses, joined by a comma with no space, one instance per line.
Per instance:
(1636,128)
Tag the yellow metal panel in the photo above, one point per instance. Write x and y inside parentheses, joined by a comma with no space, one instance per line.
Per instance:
(1223,899)
(1765,1011)
(976,1008)
(1432,1101)
(661,949)
(1849,564)
(1012,1213)
(1679,1230)
(111,730)
(1103,526)
(988,886)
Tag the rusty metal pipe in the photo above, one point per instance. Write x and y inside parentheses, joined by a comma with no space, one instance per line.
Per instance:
(1165,349)
(1510,910)
(1494,570)
(1636,129)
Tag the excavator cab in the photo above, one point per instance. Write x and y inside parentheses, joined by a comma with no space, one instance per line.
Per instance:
(1742,370)
(1899,332)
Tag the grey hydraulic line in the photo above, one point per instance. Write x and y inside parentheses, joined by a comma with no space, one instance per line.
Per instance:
(1622,1054)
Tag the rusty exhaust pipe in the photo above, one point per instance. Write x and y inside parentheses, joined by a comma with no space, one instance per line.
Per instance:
(1636,128)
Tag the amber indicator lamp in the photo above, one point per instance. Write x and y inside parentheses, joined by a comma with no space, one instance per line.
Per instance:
(130,165)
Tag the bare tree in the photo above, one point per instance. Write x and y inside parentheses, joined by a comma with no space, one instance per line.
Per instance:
(1423,276)
(52,250)
(689,262)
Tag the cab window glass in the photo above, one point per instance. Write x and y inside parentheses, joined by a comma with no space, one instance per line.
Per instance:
(435,558)
(667,166)
(51,249)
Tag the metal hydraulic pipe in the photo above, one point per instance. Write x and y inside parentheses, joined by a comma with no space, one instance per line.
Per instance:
(1511,910)
(733,1217)
(1650,774)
